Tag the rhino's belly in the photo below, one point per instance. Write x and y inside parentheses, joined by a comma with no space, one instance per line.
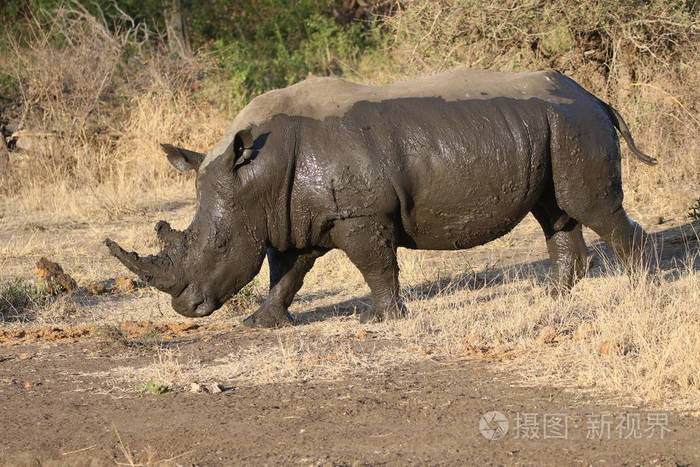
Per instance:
(471,172)
(450,226)
(460,199)
(466,209)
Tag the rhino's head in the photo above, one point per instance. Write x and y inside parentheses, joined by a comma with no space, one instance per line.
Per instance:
(224,246)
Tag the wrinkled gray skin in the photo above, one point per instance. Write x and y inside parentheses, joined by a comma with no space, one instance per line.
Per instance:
(446,162)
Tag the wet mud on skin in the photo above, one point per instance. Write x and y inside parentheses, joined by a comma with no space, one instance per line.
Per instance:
(427,166)
(419,414)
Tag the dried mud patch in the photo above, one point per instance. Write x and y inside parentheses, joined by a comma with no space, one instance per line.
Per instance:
(126,330)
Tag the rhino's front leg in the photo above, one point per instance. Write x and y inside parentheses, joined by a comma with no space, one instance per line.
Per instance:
(287,271)
(370,244)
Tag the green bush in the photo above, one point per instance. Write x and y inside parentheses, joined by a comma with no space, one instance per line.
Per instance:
(9,89)
(694,211)
(259,44)
(152,387)
(284,52)
(18,296)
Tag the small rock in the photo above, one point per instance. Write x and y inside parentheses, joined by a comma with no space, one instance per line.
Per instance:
(212,388)
(53,276)
(97,288)
(30,384)
(548,335)
(124,284)
(196,387)
(660,220)
(25,356)
(215,388)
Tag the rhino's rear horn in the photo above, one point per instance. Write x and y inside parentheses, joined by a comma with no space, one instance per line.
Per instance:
(169,236)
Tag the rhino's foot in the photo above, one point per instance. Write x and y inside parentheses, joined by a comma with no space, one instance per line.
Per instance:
(369,316)
(269,317)
(556,290)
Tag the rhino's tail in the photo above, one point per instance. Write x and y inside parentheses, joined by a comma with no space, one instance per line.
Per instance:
(625,132)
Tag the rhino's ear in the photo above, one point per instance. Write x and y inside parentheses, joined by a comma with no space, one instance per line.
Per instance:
(242,141)
(238,152)
(183,159)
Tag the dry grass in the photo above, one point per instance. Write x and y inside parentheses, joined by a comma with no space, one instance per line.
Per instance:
(638,336)
(110,97)
(295,357)
(107,98)
(147,458)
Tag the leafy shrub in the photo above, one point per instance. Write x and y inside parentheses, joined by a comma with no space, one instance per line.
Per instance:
(17,296)
(694,211)
(106,84)
(153,387)
(9,89)
(284,52)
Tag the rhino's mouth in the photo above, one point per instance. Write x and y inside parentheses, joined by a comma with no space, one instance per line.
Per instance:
(193,304)
(199,310)
(204,309)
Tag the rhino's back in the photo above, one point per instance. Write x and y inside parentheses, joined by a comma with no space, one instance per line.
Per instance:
(320,98)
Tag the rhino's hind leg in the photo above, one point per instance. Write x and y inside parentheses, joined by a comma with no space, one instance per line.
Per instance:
(567,249)
(287,271)
(590,190)
(370,244)
(625,237)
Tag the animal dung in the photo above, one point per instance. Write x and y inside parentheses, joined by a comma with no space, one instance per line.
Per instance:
(54,278)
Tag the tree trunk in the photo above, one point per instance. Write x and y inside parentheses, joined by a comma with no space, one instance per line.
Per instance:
(178,37)
(4,153)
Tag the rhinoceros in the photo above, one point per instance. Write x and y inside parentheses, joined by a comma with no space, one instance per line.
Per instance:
(445,162)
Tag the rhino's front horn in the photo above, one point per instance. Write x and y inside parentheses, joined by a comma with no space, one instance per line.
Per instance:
(151,268)
(169,236)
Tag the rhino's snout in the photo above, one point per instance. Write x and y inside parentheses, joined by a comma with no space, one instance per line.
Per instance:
(192,304)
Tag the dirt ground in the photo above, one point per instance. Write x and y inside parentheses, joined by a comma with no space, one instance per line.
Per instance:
(68,397)
(426,413)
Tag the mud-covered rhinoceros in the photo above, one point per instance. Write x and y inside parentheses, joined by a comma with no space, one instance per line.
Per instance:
(446,162)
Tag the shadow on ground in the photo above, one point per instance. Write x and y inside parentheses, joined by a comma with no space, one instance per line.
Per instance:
(676,249)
